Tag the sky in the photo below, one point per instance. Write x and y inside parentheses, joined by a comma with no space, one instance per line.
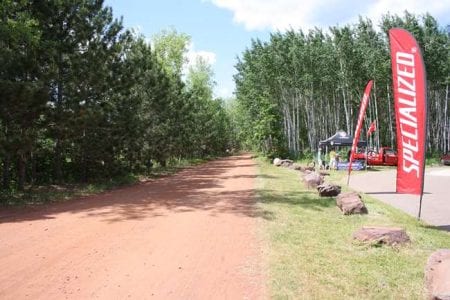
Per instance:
(221,30)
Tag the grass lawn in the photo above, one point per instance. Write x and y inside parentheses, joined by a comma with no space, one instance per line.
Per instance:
(311,252)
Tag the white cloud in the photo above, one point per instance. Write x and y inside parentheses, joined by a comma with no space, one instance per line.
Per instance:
(193,54)
(284,14)
(438,9)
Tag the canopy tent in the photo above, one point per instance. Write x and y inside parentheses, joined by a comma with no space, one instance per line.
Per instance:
(341,138)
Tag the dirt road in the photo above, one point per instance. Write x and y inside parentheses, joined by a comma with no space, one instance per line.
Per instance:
(189,236)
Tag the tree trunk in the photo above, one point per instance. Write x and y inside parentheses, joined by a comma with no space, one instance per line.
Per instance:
(59,109)
(346,110)
(446,131)
(58,162)
(84,160)
(33,177)
(6,171)
(21,165)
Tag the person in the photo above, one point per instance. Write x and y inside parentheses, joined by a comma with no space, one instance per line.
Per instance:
(333,157)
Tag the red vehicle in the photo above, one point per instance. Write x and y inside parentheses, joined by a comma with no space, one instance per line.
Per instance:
(385,156)
(445,159)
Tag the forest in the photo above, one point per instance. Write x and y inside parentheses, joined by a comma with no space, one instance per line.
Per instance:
(299,87)
(82,98)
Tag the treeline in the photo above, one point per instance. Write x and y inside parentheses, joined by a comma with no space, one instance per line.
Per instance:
(81,98)
(301,87)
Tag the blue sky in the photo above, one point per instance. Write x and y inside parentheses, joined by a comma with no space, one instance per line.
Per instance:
(220,30)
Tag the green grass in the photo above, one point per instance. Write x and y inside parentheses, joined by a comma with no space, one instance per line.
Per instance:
(311,252)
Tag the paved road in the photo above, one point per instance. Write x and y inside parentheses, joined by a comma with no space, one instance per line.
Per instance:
(188,236)
(436,199)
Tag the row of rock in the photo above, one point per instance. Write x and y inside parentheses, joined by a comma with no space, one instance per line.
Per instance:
(437,270)
(287,163)
(348,203)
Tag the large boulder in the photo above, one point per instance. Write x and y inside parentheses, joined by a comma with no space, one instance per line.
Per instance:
(328,190)
(382,235)
(277,162)
(312,179)
(351,203)
(437,275)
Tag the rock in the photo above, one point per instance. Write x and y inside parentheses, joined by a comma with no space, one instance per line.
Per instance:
(312,179)
(296,167)
(437,275)
(282,162)
(277,162)
(382,235)
(286,163)
(351,203)
(328,190)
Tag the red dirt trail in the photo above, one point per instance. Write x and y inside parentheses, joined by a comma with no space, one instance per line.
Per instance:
(188,236)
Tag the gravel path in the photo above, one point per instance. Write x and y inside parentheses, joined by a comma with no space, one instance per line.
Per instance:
(188,236)
(436,198)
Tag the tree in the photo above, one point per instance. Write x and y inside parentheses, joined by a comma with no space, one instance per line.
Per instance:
(170,48)
(22,91)
(207,116)
(300,87)
(81,39)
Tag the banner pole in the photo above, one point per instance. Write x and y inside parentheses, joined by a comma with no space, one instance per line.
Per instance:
(420,206)
(367,160)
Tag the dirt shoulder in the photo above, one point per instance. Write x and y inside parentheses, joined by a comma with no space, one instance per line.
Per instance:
(188,236)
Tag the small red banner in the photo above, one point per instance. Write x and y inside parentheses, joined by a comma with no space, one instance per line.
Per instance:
(372,128)
(362,113)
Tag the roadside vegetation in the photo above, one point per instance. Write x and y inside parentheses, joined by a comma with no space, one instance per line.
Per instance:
(311,252)
(87,102)
(301,86)
(48,193)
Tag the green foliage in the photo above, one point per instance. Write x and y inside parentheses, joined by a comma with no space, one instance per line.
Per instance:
(82,99)
(299,87)
(170,48)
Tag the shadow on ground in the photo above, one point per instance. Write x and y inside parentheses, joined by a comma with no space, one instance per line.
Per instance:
(195,188)
(441,227)
(304,199)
